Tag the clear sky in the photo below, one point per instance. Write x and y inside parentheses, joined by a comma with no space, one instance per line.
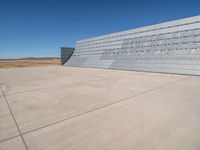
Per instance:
(38,28)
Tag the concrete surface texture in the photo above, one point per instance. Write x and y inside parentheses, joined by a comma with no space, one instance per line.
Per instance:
(59,108)
(172,47)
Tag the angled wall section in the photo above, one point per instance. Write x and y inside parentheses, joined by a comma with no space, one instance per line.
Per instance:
(172,47)
(66,53)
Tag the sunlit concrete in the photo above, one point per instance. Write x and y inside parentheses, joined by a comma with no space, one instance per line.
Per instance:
(7,124)
(170,47)
(12,144)
(59,108)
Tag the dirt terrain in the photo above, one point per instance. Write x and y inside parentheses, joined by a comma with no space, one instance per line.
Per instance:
(28,63)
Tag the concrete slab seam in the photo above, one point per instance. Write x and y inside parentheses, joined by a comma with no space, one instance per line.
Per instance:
(104,106)
(9,138)
(14,118)
(53,87)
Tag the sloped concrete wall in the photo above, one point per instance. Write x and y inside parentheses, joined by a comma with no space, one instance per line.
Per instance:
(172,47)
(66,53)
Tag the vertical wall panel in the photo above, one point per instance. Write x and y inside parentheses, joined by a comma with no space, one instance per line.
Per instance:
(66,53)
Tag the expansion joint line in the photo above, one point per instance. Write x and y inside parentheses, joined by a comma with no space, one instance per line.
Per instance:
(13,118)
(105,106)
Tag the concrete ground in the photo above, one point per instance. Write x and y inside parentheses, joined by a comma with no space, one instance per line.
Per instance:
(63,108)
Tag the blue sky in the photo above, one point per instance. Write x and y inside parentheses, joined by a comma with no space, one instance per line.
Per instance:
(38,28)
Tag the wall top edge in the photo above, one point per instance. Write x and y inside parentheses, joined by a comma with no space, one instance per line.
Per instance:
(165,24)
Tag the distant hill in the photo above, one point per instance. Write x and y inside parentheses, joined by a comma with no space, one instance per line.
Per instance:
(31,58)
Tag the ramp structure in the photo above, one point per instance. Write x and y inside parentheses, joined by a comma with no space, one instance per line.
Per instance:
(171,47)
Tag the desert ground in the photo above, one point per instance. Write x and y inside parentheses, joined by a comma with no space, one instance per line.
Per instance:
(66,108)
(28,63)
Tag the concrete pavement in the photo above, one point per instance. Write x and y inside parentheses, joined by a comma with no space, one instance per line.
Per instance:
(59,108)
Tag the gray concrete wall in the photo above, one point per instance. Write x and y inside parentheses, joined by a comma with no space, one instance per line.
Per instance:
(66,53)
(172,47)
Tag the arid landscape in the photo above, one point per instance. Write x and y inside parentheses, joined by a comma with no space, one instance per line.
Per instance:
(29,62)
